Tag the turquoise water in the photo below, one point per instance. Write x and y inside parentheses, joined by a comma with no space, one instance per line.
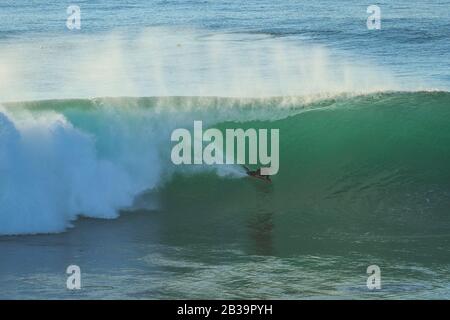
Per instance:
(86,176)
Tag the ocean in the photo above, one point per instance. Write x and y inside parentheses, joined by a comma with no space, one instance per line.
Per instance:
(86,177)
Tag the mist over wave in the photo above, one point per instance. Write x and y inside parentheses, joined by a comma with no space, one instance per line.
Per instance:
(172,62)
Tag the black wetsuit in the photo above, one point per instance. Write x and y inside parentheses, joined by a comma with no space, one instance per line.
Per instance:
(257,174)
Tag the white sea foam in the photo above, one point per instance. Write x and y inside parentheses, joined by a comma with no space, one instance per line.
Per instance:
(51,172)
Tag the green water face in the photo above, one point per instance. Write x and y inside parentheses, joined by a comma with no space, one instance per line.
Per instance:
(369,175)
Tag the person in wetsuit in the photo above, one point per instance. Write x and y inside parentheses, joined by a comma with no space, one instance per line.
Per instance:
(257,174)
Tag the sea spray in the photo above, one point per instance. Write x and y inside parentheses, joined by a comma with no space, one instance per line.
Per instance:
(167,62)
